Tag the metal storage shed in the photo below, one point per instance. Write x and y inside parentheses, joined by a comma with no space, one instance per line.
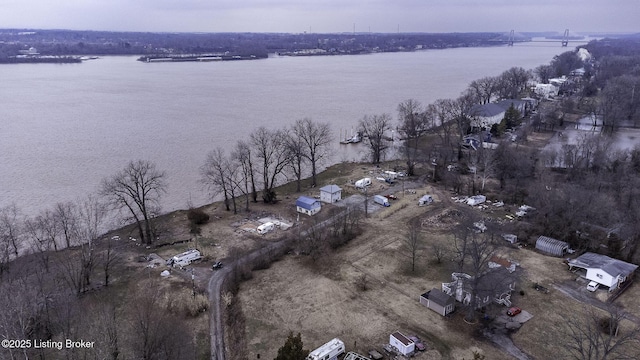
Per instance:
(551,246)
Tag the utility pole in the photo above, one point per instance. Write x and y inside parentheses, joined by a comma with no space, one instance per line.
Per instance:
(366,201)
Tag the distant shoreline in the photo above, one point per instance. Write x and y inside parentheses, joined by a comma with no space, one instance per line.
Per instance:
(41,60)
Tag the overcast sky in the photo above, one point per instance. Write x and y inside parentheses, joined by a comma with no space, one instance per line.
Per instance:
(323,15)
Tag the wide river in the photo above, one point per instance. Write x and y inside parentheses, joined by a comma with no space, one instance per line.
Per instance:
(63,128)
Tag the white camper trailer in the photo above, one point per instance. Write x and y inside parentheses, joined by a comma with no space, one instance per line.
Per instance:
(379,199)
(362,183)
(185,258)
(425,200)
(328,351)
(265,228)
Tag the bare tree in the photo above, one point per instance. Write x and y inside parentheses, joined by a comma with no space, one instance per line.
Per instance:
(413,243)
(512,83)
(596,335)
(106,327)
(487,165)
(483,90)
(373,129)
(544,73)
(473,250)
(109,259)
(11,223)
(296,150)
(247,184)
(216,175)
(92,215)
(439,251)
(66,215)
(270,149)
(316,138)
(314,243)
(413,125)
(40,241)
(138,189)
(156,334)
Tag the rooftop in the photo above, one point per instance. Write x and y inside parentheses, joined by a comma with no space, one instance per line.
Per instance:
(611,266)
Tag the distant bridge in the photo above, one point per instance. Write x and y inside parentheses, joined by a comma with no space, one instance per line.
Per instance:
(564,42)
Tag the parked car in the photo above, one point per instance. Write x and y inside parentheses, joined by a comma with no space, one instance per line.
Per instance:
(514,311)
(217,265)
(419,345)
(392,197)
(593,286)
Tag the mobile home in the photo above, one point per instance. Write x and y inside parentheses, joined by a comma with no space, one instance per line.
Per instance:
(362,183)
(328,351)
(265,228)
(185,258)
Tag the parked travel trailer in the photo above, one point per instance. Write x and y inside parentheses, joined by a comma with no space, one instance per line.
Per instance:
(185,258)
(425,200)
(362,183)
(391,174)
(328,351)
(379,199)
(265,228)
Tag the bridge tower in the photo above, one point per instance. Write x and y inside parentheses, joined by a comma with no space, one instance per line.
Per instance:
(511,36)
(565,38)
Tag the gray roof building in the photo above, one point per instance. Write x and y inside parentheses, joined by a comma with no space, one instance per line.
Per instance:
(551,246)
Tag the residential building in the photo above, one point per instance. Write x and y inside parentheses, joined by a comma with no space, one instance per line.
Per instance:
(330,193)
(308,205)
(495,285)
(484,116)
(404,345)
(438,301)
(604,270)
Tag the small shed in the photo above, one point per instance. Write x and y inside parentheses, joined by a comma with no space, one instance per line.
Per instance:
(438,301)
(404,345)
(307,205)
(330,194)
(510,238)
(425,200)
(551,246)
(476,200)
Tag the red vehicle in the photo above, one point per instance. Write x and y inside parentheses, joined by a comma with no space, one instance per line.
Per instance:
(419,345)
(514,311)
(392,197)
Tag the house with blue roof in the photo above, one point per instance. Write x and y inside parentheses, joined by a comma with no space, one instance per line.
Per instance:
(308,205)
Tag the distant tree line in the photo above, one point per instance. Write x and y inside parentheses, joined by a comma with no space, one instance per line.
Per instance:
(69,42)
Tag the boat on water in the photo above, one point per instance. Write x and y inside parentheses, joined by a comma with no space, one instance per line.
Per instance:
(352,140)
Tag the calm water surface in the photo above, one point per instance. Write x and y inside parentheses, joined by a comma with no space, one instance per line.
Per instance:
(63,128)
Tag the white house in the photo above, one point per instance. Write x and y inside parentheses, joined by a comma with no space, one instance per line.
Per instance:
(546,90)
(404,345)
(604,270)
(307,205)
(330,193)
(484,116)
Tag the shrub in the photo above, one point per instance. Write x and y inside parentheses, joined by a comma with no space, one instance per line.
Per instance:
(197,216)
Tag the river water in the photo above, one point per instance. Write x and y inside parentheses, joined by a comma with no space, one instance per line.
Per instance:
(64,127)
